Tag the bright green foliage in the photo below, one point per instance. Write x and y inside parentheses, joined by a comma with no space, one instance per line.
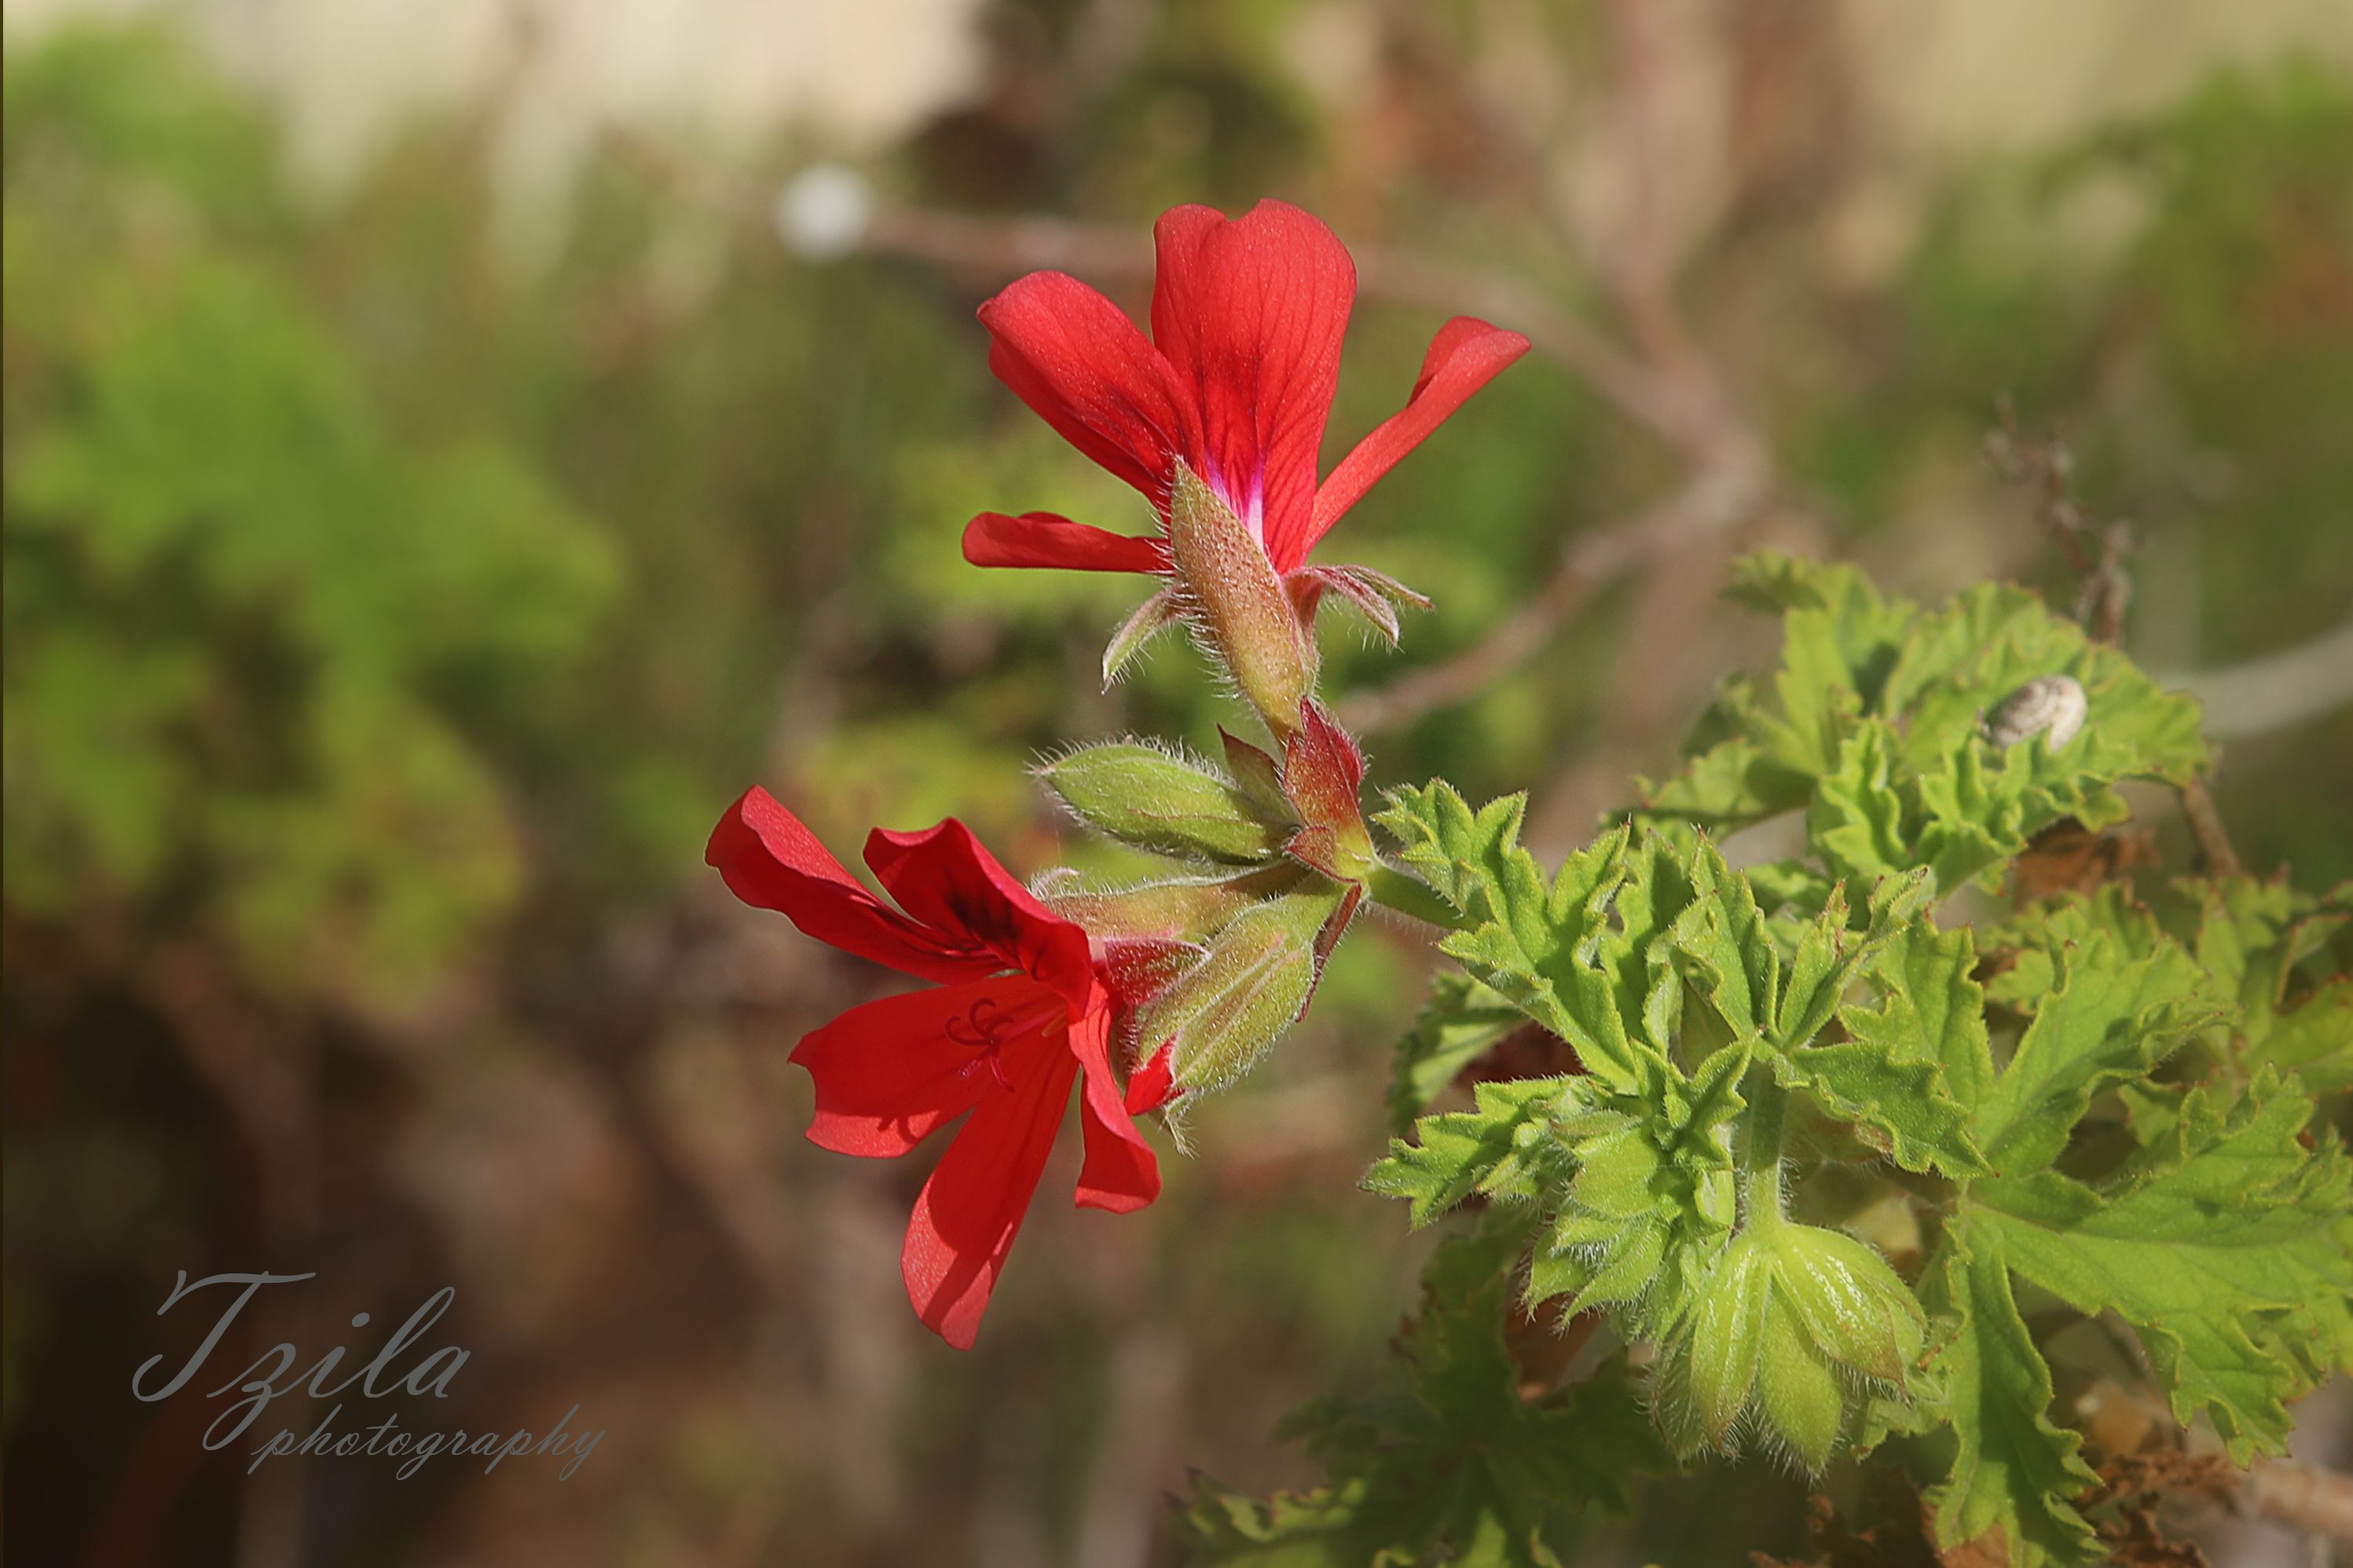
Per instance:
(2228,1248)
(2107,1102)
(1871,728)
(2273,958)
(1455,1464)
(2107,1019)
(1538,942)
(2226,1245)
(1911,1065)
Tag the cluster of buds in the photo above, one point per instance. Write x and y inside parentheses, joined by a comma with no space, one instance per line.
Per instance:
(1238,956)
(1790,1330)
(1218,419)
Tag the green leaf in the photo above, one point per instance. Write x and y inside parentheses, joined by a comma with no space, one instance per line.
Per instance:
(1723,937)
(1871,728)
(1460,1023)
(2314,1041)
(2014,1471)
(2228,1248)
(1452,1463)
(1509,1146)
(2107,1019)
(1535,942)
(1829,955)
(1911,1066)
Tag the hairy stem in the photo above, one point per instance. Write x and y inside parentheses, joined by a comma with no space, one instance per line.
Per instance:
(1760,1147)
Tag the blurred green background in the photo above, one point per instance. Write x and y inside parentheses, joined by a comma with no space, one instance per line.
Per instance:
(433,492)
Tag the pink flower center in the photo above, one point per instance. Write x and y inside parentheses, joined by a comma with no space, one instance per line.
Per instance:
(1247,505)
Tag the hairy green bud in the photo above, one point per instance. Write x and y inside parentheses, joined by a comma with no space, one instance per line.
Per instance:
(1776,1328)
(1187,909)
(1799,1394)
(1727,1338)
(1153,801)
(1853,1307)
(1256,978)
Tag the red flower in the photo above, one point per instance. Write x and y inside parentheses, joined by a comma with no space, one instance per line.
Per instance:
(1236,381)
(1019,1016)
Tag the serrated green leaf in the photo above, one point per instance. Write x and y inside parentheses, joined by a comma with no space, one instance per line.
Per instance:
(2014,1471)
(2106,1018)
(2227,1246)
(1506,1147)
(1722,937)
(1911,1066)
(2314,1040)
(1829,955)
(1871,728)
(1535,942)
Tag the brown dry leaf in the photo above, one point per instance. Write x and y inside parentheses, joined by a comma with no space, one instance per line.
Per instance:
(2068,858)
(1899,1540)
(2134,1485)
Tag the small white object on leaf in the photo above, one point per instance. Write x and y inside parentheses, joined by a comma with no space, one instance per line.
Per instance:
(2052,704)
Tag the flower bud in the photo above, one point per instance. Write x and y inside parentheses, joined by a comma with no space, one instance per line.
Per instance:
(1726,1339)
(1189,909)
(1777,1327)
(1852,1306)
(1236,602)
(1797,1391)
(1259,971)
(1153,801)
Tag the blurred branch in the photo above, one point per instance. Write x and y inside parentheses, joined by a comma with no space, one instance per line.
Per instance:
(2279,691)
(2304,1497)
(2096,551)
(1716,499)
(993,248)
(265,1075)
(1734,477)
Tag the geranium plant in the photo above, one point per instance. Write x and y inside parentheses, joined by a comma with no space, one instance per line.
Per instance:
(1832,1150)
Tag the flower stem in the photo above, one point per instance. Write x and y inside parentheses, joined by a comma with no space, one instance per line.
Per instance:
(1760,1151)
(1393,889)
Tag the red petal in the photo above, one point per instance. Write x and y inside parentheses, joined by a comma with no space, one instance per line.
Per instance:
(772,861)
(944,877)
(888,1075)
(1462,358)
(969,1212)
(1153,1084)
(1121,1173)
(1075,358)
(1250,314)
(1043,539)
